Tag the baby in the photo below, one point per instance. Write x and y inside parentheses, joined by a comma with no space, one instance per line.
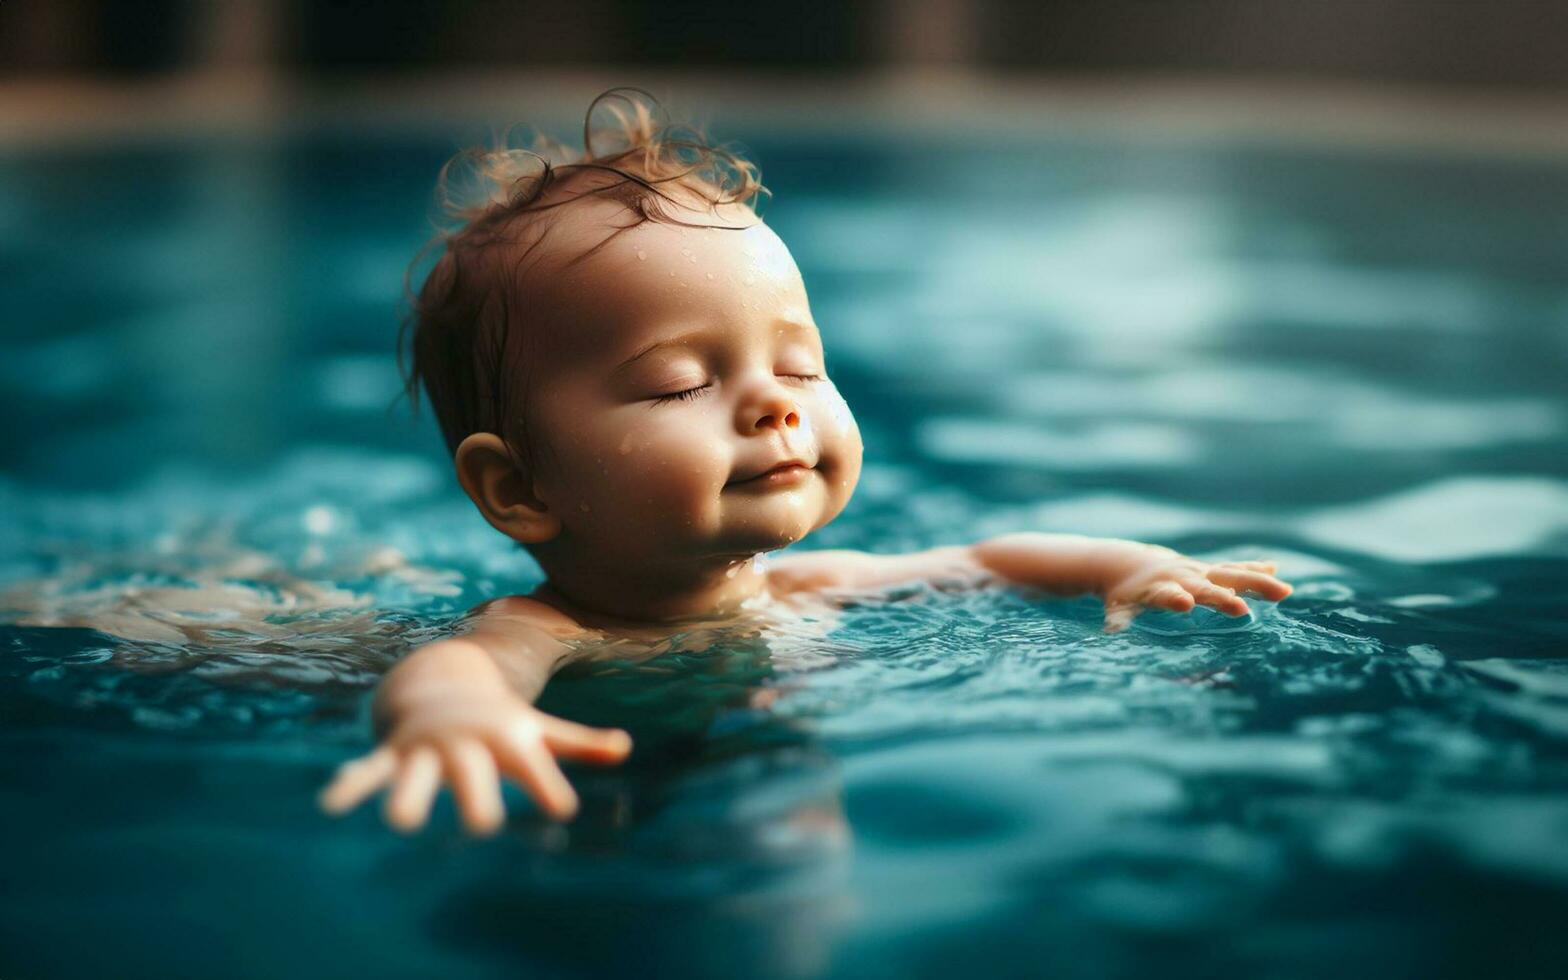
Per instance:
(625,367)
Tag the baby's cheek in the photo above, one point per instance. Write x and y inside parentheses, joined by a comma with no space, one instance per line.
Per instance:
(838,420)
(841,446)
(838,429)
(667,472)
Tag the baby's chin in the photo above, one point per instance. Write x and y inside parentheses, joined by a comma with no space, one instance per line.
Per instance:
(755,540)
(769,532)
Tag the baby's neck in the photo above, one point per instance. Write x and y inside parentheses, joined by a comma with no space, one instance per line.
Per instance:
(661,596)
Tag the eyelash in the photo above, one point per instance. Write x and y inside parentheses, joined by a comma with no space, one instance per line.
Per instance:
(696,392)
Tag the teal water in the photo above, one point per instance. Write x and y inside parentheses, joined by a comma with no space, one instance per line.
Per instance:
(217,537)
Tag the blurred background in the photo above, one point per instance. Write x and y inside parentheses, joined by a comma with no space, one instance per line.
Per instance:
(1273,278)
(199,158)
(1507,43)
(159,64)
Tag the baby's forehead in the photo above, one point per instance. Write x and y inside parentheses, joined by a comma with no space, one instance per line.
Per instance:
(603,282)
(599,231)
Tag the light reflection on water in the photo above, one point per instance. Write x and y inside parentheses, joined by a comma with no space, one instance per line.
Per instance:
(217,541)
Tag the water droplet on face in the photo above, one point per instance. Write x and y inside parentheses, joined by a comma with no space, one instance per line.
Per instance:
(748,279)
(672,273)
(710,275)
(686,252)
(642,256)
(583,507)
(626,444)
(732,570)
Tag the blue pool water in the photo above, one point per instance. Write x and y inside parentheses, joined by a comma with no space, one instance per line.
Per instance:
(217,537)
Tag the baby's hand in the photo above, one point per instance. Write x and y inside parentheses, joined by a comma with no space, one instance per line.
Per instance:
(470,742)
(1163,579)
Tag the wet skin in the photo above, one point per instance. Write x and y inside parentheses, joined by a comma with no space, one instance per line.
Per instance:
(674,366)
(671,370)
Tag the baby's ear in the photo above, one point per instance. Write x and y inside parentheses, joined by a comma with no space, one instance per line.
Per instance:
(502,491)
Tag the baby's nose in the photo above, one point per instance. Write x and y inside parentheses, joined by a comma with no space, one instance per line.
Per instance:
(785,416)
(773,410)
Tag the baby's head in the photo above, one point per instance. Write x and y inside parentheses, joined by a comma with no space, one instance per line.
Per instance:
(616,347)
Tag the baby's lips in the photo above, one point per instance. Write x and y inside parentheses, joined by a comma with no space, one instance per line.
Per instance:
(752,474)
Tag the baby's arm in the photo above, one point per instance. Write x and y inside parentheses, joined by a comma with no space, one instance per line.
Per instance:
(1127,575)
(461,710)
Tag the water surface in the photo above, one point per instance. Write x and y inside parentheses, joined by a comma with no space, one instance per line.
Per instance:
(218,537)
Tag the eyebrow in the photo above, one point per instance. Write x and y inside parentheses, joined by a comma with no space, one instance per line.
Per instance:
(685,340)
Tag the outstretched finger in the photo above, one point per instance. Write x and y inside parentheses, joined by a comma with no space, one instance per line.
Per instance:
(408,805)
(1217,597)
(1245,580)
(357,779)
(475,783)
(1119,615)
(569,740)
(1267,567)
(1170,595)
(525,758)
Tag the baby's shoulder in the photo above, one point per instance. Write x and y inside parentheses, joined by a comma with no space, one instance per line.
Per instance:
(526,613)
(522,611)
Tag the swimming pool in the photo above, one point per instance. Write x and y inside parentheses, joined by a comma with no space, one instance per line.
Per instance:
(1350,360)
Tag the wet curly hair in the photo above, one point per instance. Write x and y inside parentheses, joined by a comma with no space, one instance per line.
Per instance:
(466,337)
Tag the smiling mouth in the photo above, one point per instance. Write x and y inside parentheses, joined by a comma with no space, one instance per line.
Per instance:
(781,475)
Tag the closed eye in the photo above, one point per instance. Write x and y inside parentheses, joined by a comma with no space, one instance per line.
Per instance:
(686,395)
(691,393)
